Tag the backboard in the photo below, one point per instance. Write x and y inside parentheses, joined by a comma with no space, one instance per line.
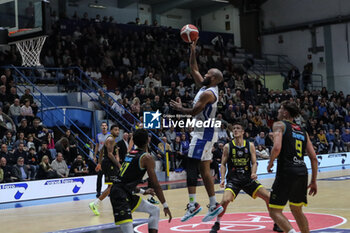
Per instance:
(24,19)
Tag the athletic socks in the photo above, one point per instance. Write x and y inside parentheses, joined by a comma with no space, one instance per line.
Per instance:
(212,201)
(192,199)
(97,202)
(218,219)
(292,231)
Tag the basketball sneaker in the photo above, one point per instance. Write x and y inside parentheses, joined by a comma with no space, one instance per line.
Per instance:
(213,212)
(277,228)
(153,201)
(94,208)
(192,210)
(215,228)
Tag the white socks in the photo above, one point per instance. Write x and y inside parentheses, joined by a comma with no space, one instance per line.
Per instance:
(192,198)
(97,202)
(292,231)
(212,201)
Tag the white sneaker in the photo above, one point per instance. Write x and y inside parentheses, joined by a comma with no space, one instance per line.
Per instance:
(192,210)
(213,212)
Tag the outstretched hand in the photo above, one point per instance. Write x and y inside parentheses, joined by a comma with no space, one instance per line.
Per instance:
(194,44)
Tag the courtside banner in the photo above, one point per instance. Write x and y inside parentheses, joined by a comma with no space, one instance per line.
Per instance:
(31,190)
(326,160)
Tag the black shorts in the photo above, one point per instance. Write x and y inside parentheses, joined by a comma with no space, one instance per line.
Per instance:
(124,203)
(236,183)
(109,170)
(289,188)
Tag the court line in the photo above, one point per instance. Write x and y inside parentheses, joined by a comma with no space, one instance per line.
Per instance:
(55,200)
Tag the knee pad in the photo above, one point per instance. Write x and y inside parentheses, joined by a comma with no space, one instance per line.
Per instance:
(192,172)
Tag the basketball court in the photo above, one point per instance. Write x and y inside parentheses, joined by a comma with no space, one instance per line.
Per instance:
(328,211)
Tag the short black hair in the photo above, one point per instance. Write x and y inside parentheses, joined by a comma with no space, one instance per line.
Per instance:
(113,126)
(292,108)
(140,137)
(240,123)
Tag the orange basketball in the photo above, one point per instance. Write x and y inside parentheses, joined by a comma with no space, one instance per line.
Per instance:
(189,33)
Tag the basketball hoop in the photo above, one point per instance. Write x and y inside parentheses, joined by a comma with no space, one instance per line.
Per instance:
(30,50)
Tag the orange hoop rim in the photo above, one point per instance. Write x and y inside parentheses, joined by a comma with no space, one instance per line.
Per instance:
(19,30)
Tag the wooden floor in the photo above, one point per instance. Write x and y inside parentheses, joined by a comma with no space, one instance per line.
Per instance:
(332,198)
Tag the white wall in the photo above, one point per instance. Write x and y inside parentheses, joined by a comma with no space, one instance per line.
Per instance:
(341,63)
(145,13)
(176,18)
(285,12)
(295,46)
(215,22)
(296,43)
(120,15)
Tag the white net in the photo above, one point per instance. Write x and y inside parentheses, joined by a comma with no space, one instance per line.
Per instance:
(30,50)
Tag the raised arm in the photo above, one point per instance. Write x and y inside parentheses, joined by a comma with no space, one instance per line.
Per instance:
(194,66)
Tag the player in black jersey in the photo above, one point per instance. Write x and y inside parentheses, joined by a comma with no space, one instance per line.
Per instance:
(240,157)
(109,162)
(122,197)
(290,144)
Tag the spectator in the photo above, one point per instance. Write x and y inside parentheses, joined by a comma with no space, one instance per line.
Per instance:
(9,140)
(260,139)
(185,145)
(330,137)
(6,169)
(30,143)
(72,143)
(79,168)
(33,162)
(222,134)
(20,171)
(26,111)
(217,155)
(24,127)
(346,139)
(6,123)
(15,111)
(262,153)
(170,135)
(176,149)
(20,152)
(45,169)
(50,141)
(62,146)
(338,142)
(60,166)
(322,139)
(123,145)
(27,96)
(1,175)
(44,151)
(164,147)
(4,152)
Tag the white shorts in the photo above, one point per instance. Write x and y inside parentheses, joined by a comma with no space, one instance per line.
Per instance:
(200,149)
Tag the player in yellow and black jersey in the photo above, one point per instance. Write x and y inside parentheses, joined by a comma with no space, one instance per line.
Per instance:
(240,157)
(124,202)
(291,183)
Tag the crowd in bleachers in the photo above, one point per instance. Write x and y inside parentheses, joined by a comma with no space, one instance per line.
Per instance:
(149,67)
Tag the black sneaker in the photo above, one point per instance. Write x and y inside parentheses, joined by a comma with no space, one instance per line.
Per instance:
(215,227)
(277,228)
(98,195)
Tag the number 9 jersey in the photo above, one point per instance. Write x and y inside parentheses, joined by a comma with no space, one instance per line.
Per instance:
(291,157)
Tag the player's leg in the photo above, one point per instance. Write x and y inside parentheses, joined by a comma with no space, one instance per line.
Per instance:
(229,196)
(193,207)
(278,199)
(95,204)
(120,205)
(99,183)
(297,200)
(214,207)
(300,218)
(265,195)
(282,221)
(153,212)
